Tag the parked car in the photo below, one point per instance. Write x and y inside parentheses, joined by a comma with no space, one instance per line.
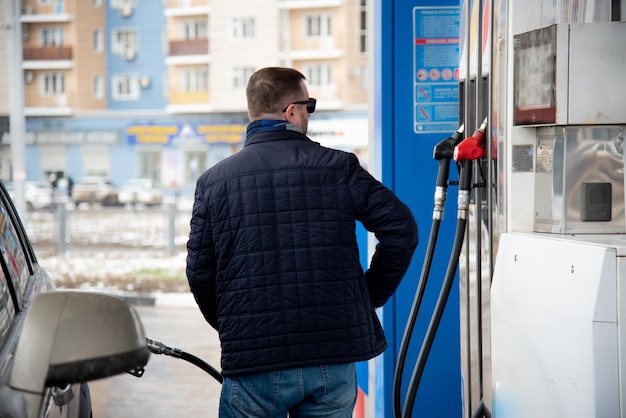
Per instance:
(142,191)
(53,342)
(95,190)
(37,195)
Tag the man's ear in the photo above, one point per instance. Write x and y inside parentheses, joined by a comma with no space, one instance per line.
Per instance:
(289,116)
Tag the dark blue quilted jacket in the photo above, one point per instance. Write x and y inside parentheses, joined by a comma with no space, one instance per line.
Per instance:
(272,256)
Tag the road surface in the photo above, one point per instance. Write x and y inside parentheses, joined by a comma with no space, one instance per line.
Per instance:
(170,387)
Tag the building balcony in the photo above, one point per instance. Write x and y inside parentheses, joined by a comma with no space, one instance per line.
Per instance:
(45,13)
(184,11)
(188,102)
(47,53)
(48,111)
(48,106)
(189,47)
(181,4)
(308,4)
(311,54)
(184,97)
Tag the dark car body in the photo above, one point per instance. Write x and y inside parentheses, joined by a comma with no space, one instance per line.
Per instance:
(44,360)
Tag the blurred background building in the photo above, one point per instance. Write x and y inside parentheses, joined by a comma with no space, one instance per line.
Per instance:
(156,89)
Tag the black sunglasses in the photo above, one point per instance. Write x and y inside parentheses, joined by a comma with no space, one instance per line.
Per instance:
(310,105)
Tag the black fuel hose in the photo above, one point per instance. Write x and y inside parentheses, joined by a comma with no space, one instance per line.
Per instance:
(463,200)
(442,152)
(203,365)
(158,347)
(415,308)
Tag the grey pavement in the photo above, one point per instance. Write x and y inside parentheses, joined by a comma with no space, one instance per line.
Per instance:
(170,387)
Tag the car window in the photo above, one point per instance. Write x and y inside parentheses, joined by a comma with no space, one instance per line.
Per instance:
(7,308)
(15,267)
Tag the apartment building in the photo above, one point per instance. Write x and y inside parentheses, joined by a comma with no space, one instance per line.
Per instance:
(228,39)
(54,35)
(146,88)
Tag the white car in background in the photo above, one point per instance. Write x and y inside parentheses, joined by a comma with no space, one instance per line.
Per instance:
(94,190)
(37,195)
(140,191)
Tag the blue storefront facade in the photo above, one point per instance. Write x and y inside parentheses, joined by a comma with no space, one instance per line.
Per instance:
(172,150)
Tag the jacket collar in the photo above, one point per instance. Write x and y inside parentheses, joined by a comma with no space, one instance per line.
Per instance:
(278,130)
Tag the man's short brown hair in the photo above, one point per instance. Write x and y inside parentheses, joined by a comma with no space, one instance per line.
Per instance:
(270,88)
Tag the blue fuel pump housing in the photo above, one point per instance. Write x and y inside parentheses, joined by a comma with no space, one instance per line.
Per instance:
(415,106)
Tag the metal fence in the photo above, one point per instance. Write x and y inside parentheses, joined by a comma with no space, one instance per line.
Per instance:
(165,229)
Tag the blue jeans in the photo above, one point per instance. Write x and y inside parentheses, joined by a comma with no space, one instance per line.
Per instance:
(319,391)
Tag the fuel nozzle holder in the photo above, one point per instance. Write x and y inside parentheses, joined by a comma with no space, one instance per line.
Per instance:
(445,148)
(471,147)
(443,152)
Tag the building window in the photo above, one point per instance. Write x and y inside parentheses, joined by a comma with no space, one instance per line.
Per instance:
(242,28)
(193,29)
(96,160)
(363,27)
(149,165)
(317,25)
(96,3)
(98,87)
(194,80)
(125,87)
(195,164)
(97,42)
(52,84)
(241,75)
(318,74)
(51,36)
(363,77)
(124,42)
(118,4)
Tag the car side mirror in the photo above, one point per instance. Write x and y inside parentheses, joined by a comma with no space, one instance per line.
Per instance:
(72,337)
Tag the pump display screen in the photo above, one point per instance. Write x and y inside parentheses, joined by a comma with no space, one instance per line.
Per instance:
(535,75)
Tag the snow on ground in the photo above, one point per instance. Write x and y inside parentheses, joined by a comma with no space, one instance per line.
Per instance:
(134,271)
(113,248)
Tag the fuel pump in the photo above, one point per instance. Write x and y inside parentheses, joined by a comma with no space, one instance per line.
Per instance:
(442,152)
(464,153)
(543,270)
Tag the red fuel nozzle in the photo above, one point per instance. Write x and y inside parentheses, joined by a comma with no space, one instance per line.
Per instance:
(470,148)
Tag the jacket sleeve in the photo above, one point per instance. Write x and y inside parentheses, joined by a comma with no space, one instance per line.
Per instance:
(201,269)
(381,212)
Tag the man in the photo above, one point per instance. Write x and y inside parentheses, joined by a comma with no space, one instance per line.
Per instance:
(274,266)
